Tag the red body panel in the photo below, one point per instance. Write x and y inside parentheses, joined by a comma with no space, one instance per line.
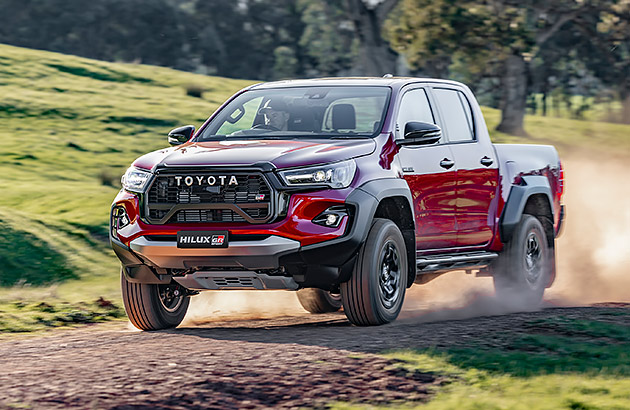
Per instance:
(433,190)
(477,194)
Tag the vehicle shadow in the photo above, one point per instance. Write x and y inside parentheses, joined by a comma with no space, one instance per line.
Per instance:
(522,344)
(334,331)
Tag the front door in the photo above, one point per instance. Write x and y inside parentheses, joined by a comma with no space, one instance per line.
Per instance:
(431,175)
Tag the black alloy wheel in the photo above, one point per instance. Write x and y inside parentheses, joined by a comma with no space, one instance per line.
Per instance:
(152,306)
(524,267)
(171,296)
(376,290)
(389,277)
(319,301)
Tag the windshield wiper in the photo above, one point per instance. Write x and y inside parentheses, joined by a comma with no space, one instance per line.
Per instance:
(349,137)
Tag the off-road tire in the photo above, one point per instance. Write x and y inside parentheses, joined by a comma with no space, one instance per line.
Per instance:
(522,270)
(318,301)
(380,267)
(147,310)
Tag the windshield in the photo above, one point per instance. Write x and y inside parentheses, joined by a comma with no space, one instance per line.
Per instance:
(302,112)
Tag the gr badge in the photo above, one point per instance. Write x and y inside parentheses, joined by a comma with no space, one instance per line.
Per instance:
(202,239)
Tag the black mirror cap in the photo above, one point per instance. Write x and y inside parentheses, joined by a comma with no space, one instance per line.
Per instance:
(180,135)
(420,133)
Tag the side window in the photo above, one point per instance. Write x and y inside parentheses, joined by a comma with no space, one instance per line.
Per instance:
(414,106)
(457,114)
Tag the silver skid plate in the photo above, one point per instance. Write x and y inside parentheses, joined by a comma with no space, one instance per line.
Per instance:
(222,280)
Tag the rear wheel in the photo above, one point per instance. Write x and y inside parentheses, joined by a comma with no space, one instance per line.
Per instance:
(523,269)
(154,307)
(374,294)
(319,301)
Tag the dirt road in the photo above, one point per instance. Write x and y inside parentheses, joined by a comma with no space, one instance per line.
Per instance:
(296,361)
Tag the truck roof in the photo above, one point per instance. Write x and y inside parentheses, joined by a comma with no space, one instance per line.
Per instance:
(394,82)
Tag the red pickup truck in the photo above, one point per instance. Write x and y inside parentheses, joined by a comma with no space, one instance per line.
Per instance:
(345,190)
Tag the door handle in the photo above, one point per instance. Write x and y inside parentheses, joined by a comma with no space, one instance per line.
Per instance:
(447,163)
(485,161)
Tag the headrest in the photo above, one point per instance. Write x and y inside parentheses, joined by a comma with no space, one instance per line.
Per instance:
(343,117)
(274,104)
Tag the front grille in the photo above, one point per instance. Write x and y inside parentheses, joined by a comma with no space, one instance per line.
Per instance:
(209,197)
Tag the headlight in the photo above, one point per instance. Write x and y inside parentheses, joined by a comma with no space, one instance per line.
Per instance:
(135,179)
(337,175)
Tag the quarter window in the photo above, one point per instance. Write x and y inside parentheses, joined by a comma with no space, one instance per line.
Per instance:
(457,114)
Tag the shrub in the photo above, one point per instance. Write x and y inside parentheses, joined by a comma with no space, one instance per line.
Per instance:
(194,90)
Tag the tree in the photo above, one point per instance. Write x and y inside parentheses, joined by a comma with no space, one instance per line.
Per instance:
(607,53)
(328,40)
(497,37)
(375,56)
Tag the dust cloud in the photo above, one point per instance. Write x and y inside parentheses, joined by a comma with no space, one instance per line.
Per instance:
(214,306)
(594,249)
(593,260)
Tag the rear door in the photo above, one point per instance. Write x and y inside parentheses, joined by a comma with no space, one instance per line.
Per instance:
(431,175)
(477,167)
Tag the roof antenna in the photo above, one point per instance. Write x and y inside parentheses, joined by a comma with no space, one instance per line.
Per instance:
(388,75)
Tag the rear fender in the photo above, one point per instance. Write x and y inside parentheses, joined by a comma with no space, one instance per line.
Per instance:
(519,195)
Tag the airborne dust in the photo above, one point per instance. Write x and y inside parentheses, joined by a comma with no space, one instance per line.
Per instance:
(593,261)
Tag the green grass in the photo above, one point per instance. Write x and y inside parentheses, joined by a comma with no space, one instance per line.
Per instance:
(21,317)
(560,363)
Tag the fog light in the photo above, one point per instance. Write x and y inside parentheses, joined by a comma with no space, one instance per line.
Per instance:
(331,217)
(119,220)
(331,220)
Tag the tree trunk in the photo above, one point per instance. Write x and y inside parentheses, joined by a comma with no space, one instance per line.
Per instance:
(514,96)
(624,96)
(625,110)
(376,58)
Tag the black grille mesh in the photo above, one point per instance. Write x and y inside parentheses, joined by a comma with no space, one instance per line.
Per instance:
(165,193)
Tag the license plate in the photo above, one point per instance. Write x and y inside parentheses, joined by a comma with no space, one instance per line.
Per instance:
(202,239)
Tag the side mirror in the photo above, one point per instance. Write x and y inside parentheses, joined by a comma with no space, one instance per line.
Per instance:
(420,133)
(180,135)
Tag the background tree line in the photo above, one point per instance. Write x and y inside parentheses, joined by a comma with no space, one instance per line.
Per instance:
(515,54)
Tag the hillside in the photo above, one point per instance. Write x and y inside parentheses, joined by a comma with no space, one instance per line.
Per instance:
(71,126)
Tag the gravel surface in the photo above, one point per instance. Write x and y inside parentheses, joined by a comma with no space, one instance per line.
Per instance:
(283,362)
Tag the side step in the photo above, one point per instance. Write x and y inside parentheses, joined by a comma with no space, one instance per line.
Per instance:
(454,261)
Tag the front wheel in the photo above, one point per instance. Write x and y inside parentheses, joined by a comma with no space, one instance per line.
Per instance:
(375,292)
(523,269)
(318,300)
(154,307)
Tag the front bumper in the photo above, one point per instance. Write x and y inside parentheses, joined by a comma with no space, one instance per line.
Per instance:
(296,248)
(261,254)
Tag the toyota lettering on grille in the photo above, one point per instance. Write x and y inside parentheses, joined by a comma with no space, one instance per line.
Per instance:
(211,180)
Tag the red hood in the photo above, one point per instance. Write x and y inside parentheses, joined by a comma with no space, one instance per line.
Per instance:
(281,153)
